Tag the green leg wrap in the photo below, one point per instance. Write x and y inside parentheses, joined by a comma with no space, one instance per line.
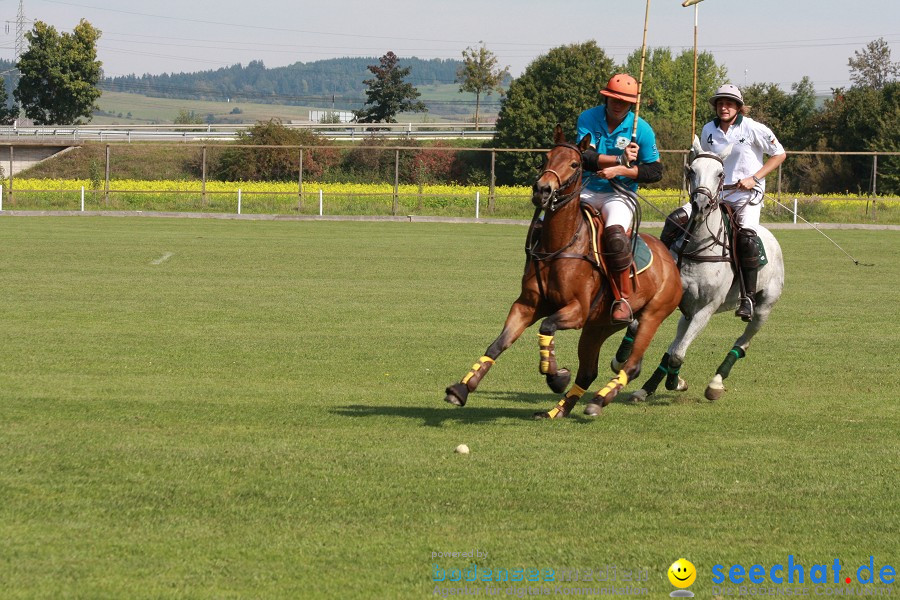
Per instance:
(733,355)
(625,348)
(658,375)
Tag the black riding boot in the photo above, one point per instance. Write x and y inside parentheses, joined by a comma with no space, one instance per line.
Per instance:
(674,226)
(748,255)
(745,310)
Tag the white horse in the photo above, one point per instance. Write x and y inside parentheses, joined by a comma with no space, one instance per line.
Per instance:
(709,279)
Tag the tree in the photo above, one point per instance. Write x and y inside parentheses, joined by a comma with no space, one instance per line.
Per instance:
(243,163)
(188,117)
(555,88)
(59,74)
(668,88)
(872,67)
(9,114)
(388,94)
(859,120)
(790,116)
(479,74)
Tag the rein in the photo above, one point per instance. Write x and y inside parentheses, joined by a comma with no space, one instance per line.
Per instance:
(718,238)
(554,202)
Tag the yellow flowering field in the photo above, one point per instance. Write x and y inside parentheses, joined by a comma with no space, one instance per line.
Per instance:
(378,199)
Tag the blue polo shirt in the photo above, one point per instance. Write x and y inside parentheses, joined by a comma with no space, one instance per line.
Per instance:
(593,121)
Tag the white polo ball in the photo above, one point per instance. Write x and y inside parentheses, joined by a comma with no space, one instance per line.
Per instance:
(462,449)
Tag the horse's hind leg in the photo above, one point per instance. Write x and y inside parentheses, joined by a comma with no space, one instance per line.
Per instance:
(589,344)
(650,322)
(521,316)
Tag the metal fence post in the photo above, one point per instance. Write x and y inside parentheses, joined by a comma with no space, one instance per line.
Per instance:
(396,205)
(203,181)
(11,200)
(874,185)
(493,181)
(300,183)
(106,184)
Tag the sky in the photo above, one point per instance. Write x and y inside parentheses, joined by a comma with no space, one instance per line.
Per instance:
(771,41)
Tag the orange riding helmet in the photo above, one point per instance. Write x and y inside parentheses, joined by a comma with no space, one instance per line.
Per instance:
(621,86)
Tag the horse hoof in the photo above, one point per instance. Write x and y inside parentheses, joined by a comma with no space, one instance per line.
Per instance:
(593,409)
(456,394)
(715,389)
(680,386)
(615,365)
(639,395)
(559,382)
(714,393)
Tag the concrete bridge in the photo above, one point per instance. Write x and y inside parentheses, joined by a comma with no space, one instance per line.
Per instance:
(18,155)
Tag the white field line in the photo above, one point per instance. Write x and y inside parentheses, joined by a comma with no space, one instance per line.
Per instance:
(162,259)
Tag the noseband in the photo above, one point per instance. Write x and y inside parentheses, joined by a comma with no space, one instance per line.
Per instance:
(559,197)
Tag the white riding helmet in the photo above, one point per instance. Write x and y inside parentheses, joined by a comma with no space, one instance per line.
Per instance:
(728,91)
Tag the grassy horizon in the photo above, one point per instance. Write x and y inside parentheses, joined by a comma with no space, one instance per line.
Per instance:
(220,409)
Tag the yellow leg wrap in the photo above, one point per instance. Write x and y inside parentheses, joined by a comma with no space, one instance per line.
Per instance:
(557,409)
(545,343)
(621,379)
(575,392)
(484,360)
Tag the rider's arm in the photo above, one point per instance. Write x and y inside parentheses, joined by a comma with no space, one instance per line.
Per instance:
(748,183)
(592,161)
(649,172)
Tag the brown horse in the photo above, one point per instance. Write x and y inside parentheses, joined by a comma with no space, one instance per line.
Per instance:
(565,283)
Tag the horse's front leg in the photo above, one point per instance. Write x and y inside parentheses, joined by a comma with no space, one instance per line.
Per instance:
(571,316)
(522,315)
(670,366)
(589,343)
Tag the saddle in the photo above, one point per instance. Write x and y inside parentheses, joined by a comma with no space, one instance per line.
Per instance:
(642,255)
(729,252)
(731,236)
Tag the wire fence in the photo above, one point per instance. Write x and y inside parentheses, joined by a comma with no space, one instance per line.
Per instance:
(410,184)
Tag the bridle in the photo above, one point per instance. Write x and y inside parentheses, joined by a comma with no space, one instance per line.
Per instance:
(559,197)
(714,197)
(718,238)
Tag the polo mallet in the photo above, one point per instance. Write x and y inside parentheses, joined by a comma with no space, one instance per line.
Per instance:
(694,3)
(637,107)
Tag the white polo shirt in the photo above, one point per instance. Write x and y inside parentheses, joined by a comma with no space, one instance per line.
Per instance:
(750,140)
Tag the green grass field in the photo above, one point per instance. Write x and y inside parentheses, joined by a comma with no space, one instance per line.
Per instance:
(147,109)
(219,409)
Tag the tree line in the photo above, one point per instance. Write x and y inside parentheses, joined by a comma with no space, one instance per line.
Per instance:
(59,80)
(308,84)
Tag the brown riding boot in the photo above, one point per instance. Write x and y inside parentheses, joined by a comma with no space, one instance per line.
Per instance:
(617,255)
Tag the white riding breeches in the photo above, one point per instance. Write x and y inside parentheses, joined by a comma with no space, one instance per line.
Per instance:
(615,208)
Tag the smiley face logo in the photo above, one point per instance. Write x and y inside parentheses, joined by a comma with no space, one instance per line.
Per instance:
(682,573)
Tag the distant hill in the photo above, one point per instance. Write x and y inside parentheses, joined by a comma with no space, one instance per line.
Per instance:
(319,83)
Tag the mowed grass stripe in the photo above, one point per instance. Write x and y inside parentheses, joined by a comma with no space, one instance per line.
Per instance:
(261,416)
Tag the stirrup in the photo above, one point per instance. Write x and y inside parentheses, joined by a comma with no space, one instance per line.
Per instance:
(612,309)
(745,310)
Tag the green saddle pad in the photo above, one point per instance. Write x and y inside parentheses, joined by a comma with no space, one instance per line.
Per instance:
(642,255)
